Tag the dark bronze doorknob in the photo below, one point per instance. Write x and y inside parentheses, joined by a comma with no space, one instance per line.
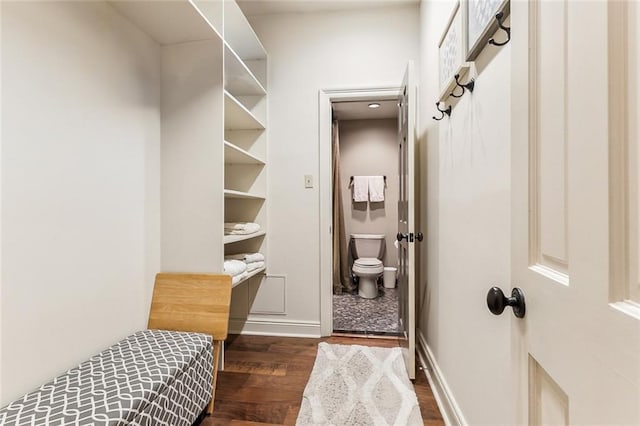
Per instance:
(419,236)
(400,236)
(496,301)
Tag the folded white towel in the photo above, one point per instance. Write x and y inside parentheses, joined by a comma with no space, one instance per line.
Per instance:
(234,225)
(249,228)
(234,267)
(360,188)
(254,265)
(235,280)
(247,257)
(376,188)
(254,257)
(239,225)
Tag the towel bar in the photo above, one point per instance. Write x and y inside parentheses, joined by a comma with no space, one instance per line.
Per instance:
(351,181)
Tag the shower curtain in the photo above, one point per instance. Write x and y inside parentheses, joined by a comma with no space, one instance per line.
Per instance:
(341,279)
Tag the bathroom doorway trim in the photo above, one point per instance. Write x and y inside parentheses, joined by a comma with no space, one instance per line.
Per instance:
(325,98)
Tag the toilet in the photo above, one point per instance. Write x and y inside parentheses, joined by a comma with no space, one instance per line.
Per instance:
(367,250)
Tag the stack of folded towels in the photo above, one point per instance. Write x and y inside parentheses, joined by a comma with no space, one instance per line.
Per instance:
(240,228)
(240,265)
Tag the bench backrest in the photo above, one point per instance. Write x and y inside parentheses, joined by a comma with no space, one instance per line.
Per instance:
(191,302)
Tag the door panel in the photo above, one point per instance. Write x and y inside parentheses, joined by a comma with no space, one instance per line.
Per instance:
(576,354)
(406,206)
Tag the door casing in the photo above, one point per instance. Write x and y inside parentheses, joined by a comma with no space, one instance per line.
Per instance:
(325,98)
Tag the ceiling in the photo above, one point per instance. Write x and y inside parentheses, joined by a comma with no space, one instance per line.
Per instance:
(360,110)
(271,7)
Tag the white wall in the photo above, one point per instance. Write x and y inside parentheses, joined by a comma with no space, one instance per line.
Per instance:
(367,148)
(465,200)
(309,52)
(80,185)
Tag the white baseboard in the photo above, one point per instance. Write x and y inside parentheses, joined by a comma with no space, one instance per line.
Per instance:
(284,328)
(449,408)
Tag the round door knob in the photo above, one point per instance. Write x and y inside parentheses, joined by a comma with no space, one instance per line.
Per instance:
(496,301)
(419,236)
(400,236)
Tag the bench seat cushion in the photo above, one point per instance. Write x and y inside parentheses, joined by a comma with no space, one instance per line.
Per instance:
(152,377)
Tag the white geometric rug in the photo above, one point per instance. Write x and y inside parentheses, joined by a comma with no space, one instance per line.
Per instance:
(359,385)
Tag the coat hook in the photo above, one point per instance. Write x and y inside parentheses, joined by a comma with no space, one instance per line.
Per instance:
(507,30)
(469,86)
(443,111)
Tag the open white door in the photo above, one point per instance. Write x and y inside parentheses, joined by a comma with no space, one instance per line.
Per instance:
(407,237)
(576,352)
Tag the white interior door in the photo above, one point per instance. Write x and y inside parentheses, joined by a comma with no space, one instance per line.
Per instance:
(406,209)
(576,352)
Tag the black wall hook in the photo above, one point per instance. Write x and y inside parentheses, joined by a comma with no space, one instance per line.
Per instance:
(443,111)
(507,30)
(469,86)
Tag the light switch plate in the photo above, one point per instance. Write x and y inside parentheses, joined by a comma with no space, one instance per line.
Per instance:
(308,181)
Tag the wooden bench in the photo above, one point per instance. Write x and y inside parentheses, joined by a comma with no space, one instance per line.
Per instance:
(165,375)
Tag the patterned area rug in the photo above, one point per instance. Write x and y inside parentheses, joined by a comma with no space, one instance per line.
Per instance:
(359,385)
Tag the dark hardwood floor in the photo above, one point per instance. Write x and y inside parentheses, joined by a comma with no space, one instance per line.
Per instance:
(264,378)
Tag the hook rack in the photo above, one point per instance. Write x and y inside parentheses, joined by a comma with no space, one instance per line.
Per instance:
(507,30)
(468,86)
(446,111)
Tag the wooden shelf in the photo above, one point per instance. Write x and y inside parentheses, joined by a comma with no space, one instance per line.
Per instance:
(240,35)
(462,72)
(236,155)
(239,79)
(230,193)
(167,22)
(229,239)
(250,275)
(237,116)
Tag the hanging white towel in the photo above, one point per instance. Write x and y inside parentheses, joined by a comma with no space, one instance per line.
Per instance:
(376,188)
(360,188)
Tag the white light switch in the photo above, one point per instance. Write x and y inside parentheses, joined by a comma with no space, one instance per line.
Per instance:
(308,181)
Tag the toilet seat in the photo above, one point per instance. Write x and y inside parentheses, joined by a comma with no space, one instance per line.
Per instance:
(368,266)
(368,262)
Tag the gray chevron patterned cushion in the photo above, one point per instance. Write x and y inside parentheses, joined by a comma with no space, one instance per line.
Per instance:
(152,377)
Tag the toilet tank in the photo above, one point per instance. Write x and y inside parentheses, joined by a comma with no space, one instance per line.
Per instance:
(368,245)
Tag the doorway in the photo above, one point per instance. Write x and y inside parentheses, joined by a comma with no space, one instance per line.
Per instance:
(365,184)
(346,102)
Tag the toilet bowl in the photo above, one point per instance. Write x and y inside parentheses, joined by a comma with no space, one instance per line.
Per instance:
(367,250)
(368,270)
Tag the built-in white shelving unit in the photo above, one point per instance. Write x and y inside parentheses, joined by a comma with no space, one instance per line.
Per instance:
(245,145)
(213,136)
(213,128)
(191,128)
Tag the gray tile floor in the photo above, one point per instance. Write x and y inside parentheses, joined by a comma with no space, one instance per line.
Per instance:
(352,313)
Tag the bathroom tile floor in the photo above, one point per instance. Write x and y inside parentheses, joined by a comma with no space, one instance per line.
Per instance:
(352,313)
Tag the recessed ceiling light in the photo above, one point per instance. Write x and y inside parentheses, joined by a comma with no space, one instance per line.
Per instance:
(374,105)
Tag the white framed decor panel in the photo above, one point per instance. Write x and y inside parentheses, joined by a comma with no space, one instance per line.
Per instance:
(481,23)
(451,47)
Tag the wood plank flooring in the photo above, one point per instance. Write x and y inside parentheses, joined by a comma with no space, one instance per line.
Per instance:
(265,376)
